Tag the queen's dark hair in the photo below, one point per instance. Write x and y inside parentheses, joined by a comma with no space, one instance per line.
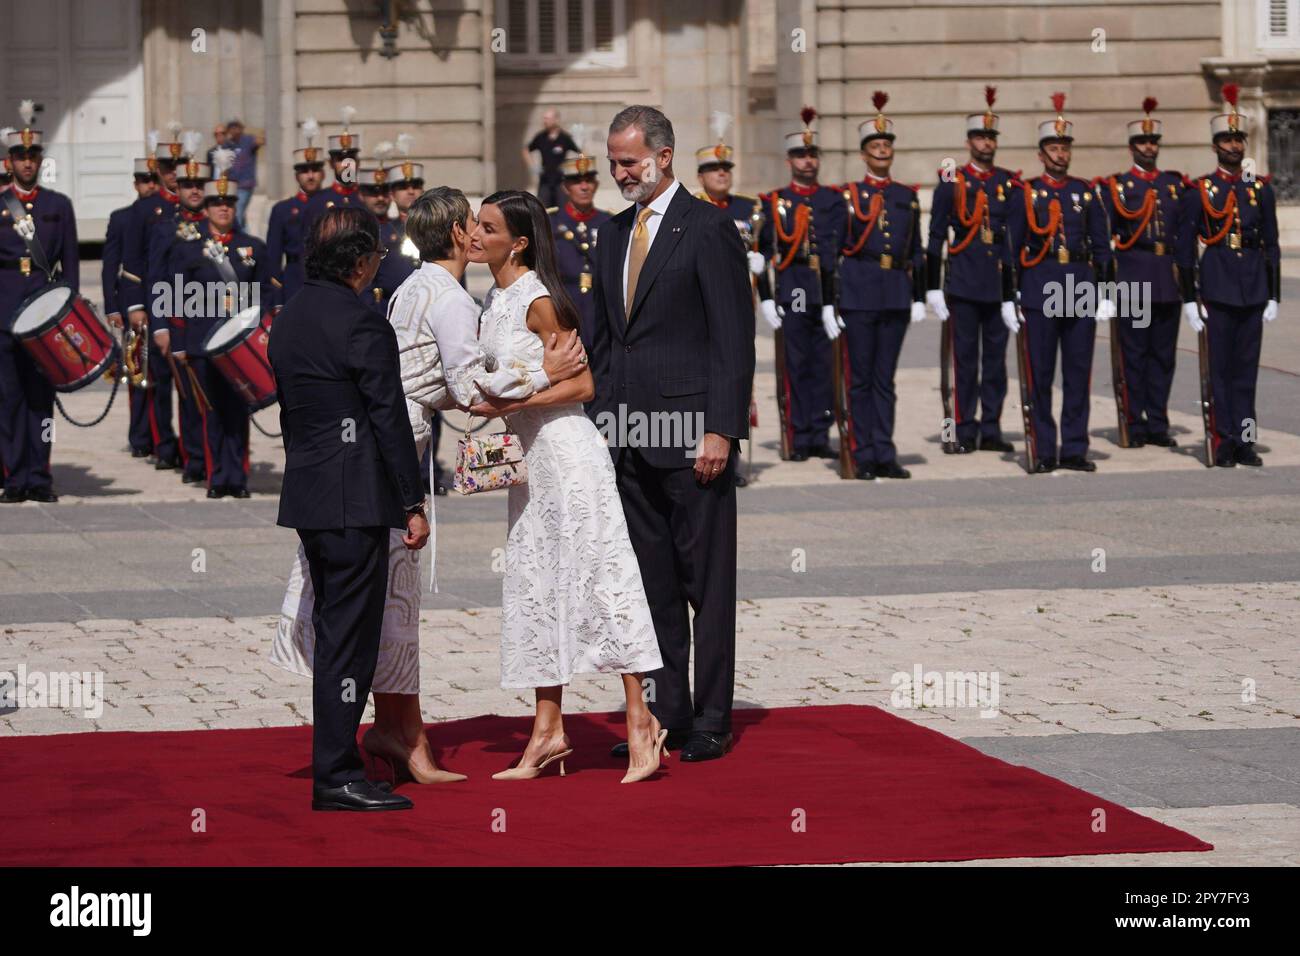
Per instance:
(526,218)
(340,237)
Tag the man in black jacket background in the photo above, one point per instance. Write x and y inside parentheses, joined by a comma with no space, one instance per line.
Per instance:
(351,473)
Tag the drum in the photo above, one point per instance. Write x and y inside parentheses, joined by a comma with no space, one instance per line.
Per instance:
(237,347)
(70,344)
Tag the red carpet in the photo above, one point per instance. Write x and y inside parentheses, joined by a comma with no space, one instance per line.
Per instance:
(870,786)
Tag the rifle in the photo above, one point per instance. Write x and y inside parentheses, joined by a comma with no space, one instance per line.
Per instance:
(1026,393)
(1207,394)
(945,381)
(1119,380)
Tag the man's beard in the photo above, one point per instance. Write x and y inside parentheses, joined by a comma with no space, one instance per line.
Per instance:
(640,191)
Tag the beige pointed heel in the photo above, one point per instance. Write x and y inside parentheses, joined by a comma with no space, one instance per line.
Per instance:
(528,773)
(661,754)
(381,747)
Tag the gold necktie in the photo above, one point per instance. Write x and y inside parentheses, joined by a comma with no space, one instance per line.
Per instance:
(640,246)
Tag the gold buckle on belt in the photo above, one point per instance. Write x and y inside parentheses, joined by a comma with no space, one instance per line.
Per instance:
(584,281)
(1063,255)
(1234,240)
(1160,249)
(886,261)
(25,265)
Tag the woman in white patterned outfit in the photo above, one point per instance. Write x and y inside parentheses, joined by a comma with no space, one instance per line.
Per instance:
(572,601)
(436,322)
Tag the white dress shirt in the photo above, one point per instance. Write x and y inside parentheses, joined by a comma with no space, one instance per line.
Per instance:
(660,206)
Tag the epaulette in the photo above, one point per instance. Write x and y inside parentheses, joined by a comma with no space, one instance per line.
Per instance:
(1189,182)
(1098,180)
(1174,172)
(552,210)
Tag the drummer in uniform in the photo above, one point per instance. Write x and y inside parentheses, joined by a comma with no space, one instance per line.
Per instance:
(284,235)
(146,216)
(882,290)
(26,395)
(575,226)
(803,252)
(225,254)
(173,246)
(145,181)
(344,150)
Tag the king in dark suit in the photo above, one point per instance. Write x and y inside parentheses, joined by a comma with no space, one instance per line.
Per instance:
(673,345)
(351,473)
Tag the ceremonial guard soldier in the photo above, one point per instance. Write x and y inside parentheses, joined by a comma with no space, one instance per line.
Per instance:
(882,288)
(801,232)
(576,226)
(174,246)
(230,256)
(372,186)
(1058,234)
(344,148)
(969,215)
(1142,205)
(1234,287)
(139,434)
(38,245)
(284,235)
(152,216)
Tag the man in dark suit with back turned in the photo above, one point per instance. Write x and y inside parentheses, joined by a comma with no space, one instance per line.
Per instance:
(351,473)
(673,341)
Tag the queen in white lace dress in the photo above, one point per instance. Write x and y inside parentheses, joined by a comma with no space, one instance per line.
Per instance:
(572,601)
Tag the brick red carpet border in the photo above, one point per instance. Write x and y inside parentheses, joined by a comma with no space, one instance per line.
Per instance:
(804,785)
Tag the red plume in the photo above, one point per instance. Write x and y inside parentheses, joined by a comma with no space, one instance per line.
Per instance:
(879,99)
(990,94)
(1230,91)
(1058,102)
(807,114)
(1149,104)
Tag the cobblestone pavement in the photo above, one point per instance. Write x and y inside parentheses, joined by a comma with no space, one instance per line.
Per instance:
(1140,622)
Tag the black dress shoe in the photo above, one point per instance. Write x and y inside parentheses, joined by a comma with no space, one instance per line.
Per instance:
(238,493)
(13,496)
(1137,441)
(1077,463)
(1164,441)
(217,492)
(1245,456)
(1045,467)
(141,452)
(892,469)
(798,455)
(440,490)
(866,472)
(822,451)
(706,746)
(188,478)
(167,464)
(996,444)
(358,795)
(740,480)
(959,448)
(1225,461)
(676,740)
(48,496)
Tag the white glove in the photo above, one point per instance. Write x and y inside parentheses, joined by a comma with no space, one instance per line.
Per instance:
(1195,315)
(771,313)
(918,311)
(757,263)
(830,323)
(934,299)
(1270,310)
(1105,310)
(1009,317)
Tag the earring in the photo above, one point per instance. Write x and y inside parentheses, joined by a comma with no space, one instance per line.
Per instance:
(512,257)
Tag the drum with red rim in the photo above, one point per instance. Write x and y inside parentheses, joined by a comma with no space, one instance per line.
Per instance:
(237,347)
(71,345)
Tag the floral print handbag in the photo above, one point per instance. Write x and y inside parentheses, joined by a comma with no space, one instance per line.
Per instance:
(488,462)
